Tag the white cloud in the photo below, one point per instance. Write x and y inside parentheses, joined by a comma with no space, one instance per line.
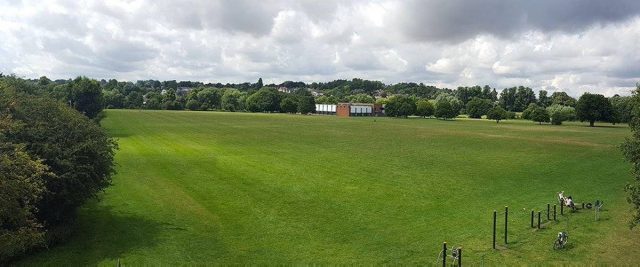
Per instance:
(588,48)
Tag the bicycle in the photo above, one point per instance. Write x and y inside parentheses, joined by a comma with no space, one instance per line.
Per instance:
(561,240)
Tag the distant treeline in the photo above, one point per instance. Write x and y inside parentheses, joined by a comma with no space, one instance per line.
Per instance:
(300,97)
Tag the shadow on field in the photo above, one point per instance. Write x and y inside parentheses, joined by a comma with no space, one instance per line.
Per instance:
(101,234)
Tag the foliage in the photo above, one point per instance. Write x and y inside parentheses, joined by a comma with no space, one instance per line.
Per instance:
(424,108)
(540,115)
(193,104)
(497,114)
(231,100)
(517,98)
(562,98)
(77,151)
(289,104)
(631,151)
(400,106)
(526,114)
(361,98)
(593,107)
(266,99)
(622,108)
(559,113)
(85,95)
(447,107)
(477,107)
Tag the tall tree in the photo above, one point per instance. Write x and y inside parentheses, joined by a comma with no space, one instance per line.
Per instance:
(424,108)
(259,84)
(400,106)
(543,99)
(85,95)
(593,107)
(477,107)
(631,150)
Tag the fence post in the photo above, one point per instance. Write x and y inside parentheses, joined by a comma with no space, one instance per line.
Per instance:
(539,219)
(506,222)
(531,218)
(548,211)
(495,214)
(460,257)
(444,254)
(554,212)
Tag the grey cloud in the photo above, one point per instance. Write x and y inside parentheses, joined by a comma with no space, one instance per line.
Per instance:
(457,20)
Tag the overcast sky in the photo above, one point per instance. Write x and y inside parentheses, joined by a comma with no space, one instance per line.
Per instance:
(558,45)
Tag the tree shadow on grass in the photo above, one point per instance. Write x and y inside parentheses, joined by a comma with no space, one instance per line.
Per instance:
(101,234)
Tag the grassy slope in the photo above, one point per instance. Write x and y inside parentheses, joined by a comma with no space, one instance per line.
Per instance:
(202,187)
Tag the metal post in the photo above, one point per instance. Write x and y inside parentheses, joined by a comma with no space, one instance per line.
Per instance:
(506,222)
(495,214)
(460,257)
(444,254)
(548,212)
(539,219)
(554,212)
(531,218)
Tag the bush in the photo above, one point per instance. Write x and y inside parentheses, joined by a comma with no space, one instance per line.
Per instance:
(78,153)
(193,104)
(560,113)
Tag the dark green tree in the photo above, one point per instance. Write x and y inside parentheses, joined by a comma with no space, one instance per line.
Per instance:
(85,95)
(526,114)
(562,98)
(259,84)
(476,107)
(266,99)
(424,108)
(400,106)
(497,114)
(631,151)
(540,115)
(543,99)
(231,100)
(593,107)
(289,104)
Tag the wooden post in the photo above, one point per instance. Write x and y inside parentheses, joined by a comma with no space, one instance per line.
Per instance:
(444,254)
(548,212)
(531,218)
(460,257)
(495,214)
(539,219)
(554,212)
(506,222)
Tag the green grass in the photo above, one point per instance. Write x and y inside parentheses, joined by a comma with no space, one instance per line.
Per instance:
(206,187)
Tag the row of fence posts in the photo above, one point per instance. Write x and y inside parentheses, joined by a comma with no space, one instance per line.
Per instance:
(458,252)
(533,225)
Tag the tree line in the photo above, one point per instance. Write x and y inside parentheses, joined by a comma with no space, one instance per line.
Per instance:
(400,99)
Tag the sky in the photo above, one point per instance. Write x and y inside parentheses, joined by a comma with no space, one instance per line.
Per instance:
(557,45)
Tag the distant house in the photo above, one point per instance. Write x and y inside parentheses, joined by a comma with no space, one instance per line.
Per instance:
(284,90)
(316,93)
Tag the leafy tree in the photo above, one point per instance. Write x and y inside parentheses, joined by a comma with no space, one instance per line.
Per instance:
(424,108)
(400,106)
(193,104)
(77,151)
(210,98)
(306,104)
(259,84)
(134,100)
(445,109)
(540,115)
(543,99)
(622,108)
(113,99)
(153,101)
(361,98)
(289,104)
(561,98)
(264,100)
(231,100)
(559,113)
(85,95)
(456,104)
(477,107)
(631,151)
(593,107)
(21,187)
(526,114)
(497,113)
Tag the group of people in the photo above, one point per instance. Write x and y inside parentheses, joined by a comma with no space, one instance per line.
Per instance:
(567,201)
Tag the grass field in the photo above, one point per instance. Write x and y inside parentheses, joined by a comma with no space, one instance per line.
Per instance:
(208,187)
